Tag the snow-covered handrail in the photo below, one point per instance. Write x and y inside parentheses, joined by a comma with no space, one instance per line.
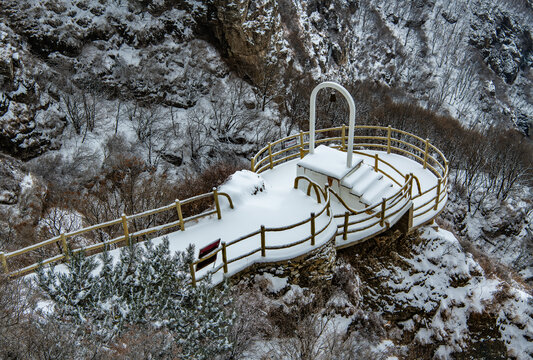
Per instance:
(62,239)
(430,201)
(263,231)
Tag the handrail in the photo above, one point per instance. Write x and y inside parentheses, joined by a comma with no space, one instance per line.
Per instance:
(311,183)
(264,230)
(389,207)
(126,237)
(379,213)
(257,160)
(419,188)
(426,154)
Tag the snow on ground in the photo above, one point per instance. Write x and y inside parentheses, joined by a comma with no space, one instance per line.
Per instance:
(449,294)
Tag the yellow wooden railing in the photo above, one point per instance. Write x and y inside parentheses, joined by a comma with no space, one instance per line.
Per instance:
(382,211)
(386,139)
(377,215)
(126,237)
(262,233)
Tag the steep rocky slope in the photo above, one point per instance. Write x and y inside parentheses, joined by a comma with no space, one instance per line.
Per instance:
(470,59)
(420,297)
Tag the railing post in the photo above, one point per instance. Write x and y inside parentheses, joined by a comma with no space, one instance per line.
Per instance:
(326,189)
(383,207)
(4,262)
(438,196)
(263,245)
(388,139)
(376,161)
(312,229)
(252,164)
(64,245)
(301,145)
(217,204)
(126,232)
(345,231)
(270,154)
(193,276)
(411,176)
(343,137)
(180,215)
(426,153)
(224,257)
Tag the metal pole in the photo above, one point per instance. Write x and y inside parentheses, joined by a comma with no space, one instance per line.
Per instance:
(343,137)
(312,117)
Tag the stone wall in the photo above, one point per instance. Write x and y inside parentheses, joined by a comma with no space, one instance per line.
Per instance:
(306,270)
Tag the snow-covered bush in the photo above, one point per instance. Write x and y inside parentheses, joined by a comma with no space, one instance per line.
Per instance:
(147,288)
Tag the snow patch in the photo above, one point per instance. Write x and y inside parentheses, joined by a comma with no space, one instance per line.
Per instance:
(242,185)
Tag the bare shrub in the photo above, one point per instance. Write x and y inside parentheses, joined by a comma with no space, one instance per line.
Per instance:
(138,343)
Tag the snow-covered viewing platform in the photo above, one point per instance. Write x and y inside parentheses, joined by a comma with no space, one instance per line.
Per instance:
(280,205)
(357,183)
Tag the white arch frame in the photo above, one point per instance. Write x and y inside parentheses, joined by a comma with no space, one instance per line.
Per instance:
(312,117)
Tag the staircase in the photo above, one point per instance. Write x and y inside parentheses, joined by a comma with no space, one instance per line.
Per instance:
(368,185)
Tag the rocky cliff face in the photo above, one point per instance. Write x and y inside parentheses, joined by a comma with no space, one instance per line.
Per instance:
(470,59)
(435,295)
(30,117)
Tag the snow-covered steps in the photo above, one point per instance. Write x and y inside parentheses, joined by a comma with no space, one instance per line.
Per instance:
(376,192)
(368,185)
(360,173)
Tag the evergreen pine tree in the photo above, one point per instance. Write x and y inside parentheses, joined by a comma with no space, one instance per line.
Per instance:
(147,286)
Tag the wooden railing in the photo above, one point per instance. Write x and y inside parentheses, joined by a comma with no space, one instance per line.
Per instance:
(372,219)
(262,236)
(126,237)
(390,140)
(377,216)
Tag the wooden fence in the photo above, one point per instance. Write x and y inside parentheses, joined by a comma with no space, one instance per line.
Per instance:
(62,239)
(386,139)
(367,222)
(263,236)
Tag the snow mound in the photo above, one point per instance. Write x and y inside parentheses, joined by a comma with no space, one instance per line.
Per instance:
(243,184)
(274,284)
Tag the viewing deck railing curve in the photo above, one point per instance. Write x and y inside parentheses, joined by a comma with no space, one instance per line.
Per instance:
(369,137)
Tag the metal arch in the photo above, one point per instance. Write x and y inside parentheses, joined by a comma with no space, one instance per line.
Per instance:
(312,117)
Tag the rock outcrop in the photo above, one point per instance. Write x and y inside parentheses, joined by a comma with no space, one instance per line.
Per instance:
(30,116)
(505,44)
